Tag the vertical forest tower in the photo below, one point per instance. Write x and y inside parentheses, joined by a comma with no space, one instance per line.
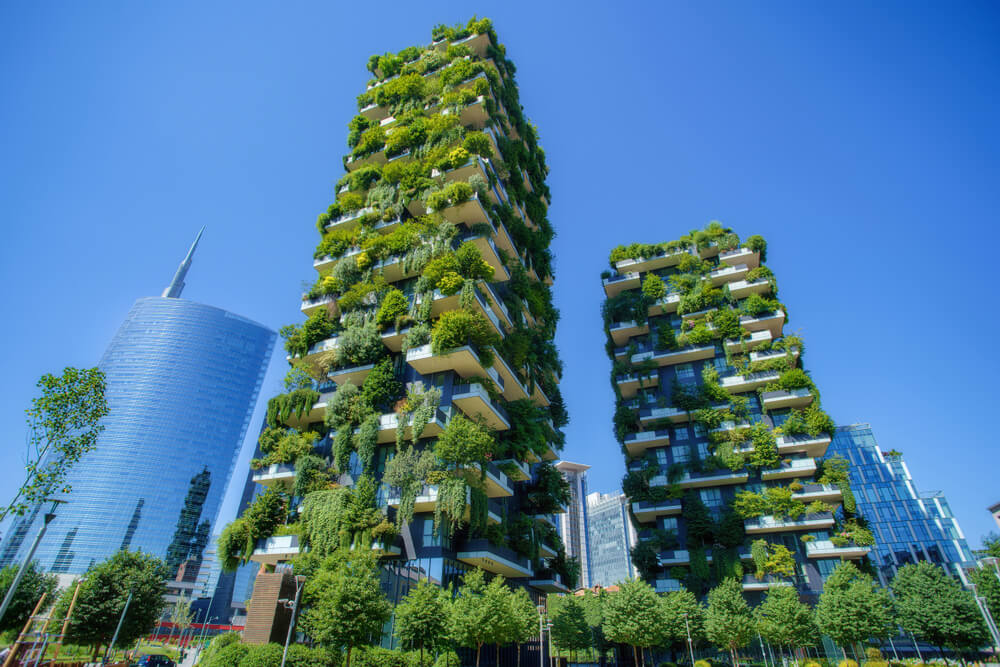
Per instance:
(422,410)
(720,426)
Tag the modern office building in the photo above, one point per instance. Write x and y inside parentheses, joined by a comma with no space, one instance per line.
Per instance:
(182,383)
(703,374)
(909,526)
(994,511)
(573,525)
(610,538)
(433,296)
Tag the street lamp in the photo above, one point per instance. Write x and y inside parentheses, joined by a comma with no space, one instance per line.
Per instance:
(47,519)
(541,635)
(687,628)
(987,617)
(293,605)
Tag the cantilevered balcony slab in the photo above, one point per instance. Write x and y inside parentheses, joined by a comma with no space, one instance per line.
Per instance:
(491,254)
(630,383)
(672,557)
(473,114)
(622,331)
(443,303)
(772,322)
(511,386)
(547,550)
(752,583)
(353,163)
(390,420)
(664,305)
(517,471)
(320,355)
(539,398)
(349,220)
(464,360)
(741,288)
(696,480)
(636,444)
(650,415)
(775,354)
(671,357)
(550,583)
(474,401)
(617,284)
(754,340)
(792,469)
(728,274)
(374,112)
(809,445)
(393,338)
(824,493)
(492,558)
(796,398)
(646,511)
(497,483)
(327,301)
(276,550)
(653,263)
(276,475)
(354,374)
(477,44)
(469,213)
(736,384)
(768,524)
(489,291)
(827,549)
(740,256)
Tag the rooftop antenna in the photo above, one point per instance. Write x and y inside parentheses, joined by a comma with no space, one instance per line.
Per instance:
(176,285)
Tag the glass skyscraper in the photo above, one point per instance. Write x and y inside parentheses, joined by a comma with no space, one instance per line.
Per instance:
(573,523)
(182,382)
(610,536)
(909,526)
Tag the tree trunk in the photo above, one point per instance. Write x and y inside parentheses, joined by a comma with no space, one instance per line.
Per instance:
(347,663)
(519,654)
(479,647)
(635,658)
(93,654)
(943,657)
(732,653)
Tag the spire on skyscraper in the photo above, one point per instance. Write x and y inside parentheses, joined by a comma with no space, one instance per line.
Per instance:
(176,285)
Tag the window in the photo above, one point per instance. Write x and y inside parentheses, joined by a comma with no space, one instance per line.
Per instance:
(702,450)
(712,498)
(721,366)
(669,523)
(685,373)
(699,431)
(681,453)
(680,433)
(429,538)
(661,457)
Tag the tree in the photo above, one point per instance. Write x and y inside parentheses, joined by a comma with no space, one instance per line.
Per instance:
(852,608)
(677,607)
(63,425)
(783,620)
(33,585)
(933,606)
(103,595)
(344,604)
(479,613)
(570,631)
(523,620)
(593,610)
(422,617)
(181,615)
(632,616)
(987,585)
(991,545)
(728,621)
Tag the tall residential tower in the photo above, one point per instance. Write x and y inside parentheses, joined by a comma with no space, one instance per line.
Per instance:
(704,376)
(424,383)
(182,382)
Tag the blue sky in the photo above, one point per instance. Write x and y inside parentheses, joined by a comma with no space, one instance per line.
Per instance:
(860,140)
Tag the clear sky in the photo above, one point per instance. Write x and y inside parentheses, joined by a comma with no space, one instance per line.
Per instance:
(860,139)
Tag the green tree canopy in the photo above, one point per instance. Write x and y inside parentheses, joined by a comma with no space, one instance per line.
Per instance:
(677,606)
(570,631)
(344,604)
(988,586)
(852,608)
(785,621)
(103,595)
(63,425)
(33,585)
(933,606)
(632,616)
(422,617)
(728,621)
(524,618)
(480,612)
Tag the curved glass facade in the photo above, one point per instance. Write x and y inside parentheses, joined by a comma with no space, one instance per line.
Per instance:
(182,382)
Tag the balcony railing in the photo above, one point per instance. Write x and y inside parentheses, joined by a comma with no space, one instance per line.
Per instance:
(493,558)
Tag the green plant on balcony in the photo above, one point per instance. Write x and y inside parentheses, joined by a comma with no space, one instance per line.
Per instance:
(773,559)
(359,343)
(756,305)
(776,501)
(549,491)
(665,338)
(702,297)
(765,447)
(283,445)
(418,336)
(394,305)
(646,560)
(381,388)
(456,328)
(311,474)
(653,287)
(282,407)
(259,521)
(757,243)
(319,326)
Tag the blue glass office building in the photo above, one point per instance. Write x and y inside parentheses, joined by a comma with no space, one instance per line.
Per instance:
(909,526)
(182,383)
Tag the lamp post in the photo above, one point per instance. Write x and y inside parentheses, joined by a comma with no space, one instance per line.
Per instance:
(294,606)
(47,519)
(541,635)
(121,619)
(687,628)
(987,617)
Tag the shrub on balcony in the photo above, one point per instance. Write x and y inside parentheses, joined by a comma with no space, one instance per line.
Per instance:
(757,244)
(653,287)
(755,305)
(452,194)
(358,345)
(478,143)
(549,491)
(281,445)
(665,338)
(464,443)
(456,328)
(319,326)
(371,141)
(727,324)
(394,305)
(382,388)
(765,447)
(297,402)
(701,297)
(417,336)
